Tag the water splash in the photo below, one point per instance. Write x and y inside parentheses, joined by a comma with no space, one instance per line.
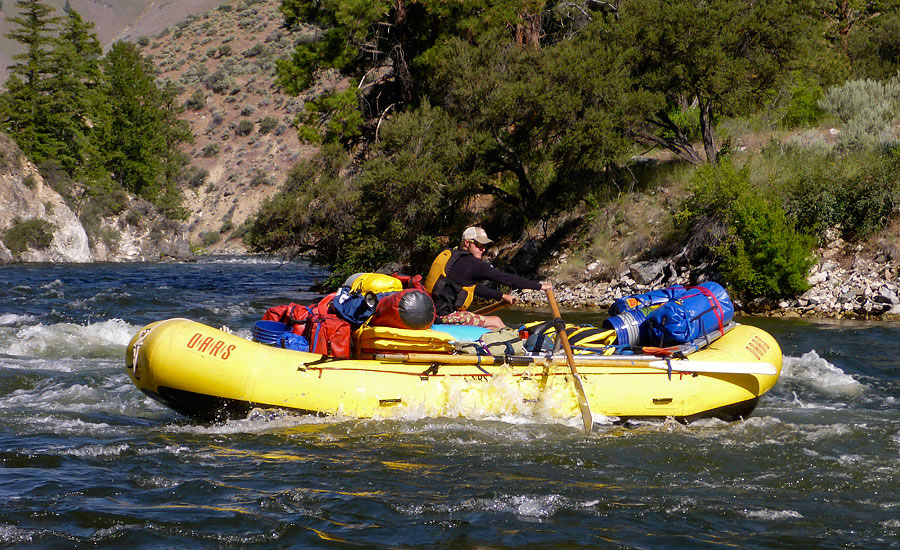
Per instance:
(813,372)
(104,339)
(13,319)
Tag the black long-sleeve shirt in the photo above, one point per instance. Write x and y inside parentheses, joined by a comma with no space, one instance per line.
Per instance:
(469,269)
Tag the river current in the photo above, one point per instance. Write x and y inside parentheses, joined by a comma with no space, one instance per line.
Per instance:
(88,461)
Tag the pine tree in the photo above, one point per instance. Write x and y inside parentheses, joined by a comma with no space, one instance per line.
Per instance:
(141,133)
(73,98)
(24,106)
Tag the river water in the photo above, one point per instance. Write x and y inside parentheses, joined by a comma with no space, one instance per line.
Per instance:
(87,461)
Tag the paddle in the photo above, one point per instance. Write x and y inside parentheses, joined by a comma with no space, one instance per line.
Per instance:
(490,308)
(583,404)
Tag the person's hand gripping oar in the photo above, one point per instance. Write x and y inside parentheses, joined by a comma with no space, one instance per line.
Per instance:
(583,404)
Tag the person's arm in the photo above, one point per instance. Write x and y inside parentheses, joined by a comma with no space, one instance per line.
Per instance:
(486,271)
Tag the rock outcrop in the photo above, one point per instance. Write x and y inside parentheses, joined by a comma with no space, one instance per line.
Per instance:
(137,234)
(24,196)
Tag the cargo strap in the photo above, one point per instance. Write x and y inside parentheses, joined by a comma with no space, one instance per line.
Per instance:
(715,306)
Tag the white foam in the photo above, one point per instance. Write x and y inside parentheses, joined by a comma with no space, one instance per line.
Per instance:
(12,319)
(95,450)
(114,395)
(772,514)
(258,421)
(813,371)
(501,397)
(524,506)
(68,340)
(58,425)
(12,534)
(243,260)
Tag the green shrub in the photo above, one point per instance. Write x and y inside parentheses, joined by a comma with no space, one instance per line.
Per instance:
(30,181)
(110,238)
(259,178)
(209,238)
(134,218)
(219,81)
(267,124)
(196,102)
(866,107)
(803,109)
(688,122)
(255,50)
(244,128)
(858,192)
(23,235)
(748,235)
(210,150)
(57,178)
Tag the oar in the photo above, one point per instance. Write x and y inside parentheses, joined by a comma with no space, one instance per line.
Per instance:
(490,308)
(638,361)
(583,404)
(723,367)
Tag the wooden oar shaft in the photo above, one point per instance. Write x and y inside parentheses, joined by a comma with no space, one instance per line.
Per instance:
(583,404)
(490,308)
(638,361)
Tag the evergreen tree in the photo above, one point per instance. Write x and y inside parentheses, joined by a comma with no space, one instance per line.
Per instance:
(25,105)
(73,95)
(725,56)
(141,133)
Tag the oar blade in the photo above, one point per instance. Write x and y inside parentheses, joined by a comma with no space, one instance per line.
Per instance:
(586,417)
(719,367)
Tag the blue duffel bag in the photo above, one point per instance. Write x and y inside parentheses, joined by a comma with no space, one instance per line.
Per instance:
(652,298)
(700,311)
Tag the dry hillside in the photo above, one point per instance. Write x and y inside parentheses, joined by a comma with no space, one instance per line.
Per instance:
(223,61)
(114,19)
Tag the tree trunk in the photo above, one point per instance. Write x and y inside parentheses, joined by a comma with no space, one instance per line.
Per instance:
(709,134)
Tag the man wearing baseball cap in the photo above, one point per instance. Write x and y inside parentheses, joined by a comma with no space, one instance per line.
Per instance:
(455,279)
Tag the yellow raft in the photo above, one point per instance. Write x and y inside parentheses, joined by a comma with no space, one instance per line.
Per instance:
(209,374)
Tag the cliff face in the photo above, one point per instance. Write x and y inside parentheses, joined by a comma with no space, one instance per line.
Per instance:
(36,224)
(24,197)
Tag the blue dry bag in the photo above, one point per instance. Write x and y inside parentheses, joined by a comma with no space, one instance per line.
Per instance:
(700,311)
(652,298)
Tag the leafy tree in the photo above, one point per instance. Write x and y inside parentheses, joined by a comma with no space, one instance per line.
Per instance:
(385,47)
(723,55)
(539,118)
(869,34)
(312,213)
(416,186)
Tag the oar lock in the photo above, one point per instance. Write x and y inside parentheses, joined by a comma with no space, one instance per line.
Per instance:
(430,371)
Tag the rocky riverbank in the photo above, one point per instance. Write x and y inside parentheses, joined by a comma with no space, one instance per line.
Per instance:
(846,282)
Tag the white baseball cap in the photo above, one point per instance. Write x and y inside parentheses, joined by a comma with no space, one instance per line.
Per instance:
(476,234)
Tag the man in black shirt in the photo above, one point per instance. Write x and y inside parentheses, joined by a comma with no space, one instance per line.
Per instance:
(455,279)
